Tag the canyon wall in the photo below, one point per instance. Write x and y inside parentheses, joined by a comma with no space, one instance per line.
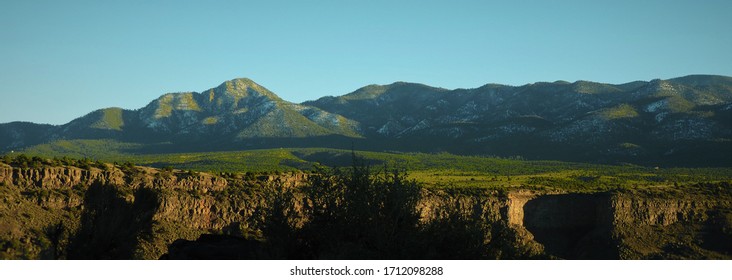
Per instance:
(137,213)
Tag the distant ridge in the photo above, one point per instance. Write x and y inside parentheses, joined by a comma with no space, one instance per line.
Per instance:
(679,122)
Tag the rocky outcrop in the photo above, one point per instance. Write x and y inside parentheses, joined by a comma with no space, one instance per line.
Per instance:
(688,225)
(46,211)
(64,177)
(684,223)
(184,205)
(665,224)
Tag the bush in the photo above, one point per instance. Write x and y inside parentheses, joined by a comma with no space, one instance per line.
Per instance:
(349,213)
(455,234)
(277,220)
(359,213)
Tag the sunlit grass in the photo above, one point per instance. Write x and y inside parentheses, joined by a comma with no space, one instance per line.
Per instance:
(433,170)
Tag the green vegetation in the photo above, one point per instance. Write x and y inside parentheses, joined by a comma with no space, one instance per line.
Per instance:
(35,162)
(107,150)
(111,119)
(367,92)
(619,112)
(210,120)
(589,87)
(186,102)
(286,123)
(175,101)
(679,104)
(240,88)
(434,170)
(359,213)
(164,106)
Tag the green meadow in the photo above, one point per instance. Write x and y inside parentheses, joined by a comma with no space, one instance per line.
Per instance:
(440,170)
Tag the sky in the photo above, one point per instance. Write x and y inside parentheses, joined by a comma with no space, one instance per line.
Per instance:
(60,60)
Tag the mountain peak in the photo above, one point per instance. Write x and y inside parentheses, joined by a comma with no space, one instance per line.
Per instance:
(675,119)
(242,87)
(589,87)
(703,80)
(372,91)
(241,82)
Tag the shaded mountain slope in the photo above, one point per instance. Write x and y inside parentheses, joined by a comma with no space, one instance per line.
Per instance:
(682,121)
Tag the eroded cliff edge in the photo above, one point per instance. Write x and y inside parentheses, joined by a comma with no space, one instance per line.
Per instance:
(124,212)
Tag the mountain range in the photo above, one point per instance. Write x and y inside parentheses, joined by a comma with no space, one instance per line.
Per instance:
(684,121)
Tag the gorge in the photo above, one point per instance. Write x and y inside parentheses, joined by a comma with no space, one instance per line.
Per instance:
(132,212)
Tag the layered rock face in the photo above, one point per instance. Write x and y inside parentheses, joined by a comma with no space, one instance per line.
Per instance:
(137,213)
(89,213)
(632,224)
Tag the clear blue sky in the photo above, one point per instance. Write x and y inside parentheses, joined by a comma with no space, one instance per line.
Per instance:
(62,59)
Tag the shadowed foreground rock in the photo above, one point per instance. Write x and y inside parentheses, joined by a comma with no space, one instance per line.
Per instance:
(215,247)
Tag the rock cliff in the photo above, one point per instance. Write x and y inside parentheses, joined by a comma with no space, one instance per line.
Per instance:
(115,212)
